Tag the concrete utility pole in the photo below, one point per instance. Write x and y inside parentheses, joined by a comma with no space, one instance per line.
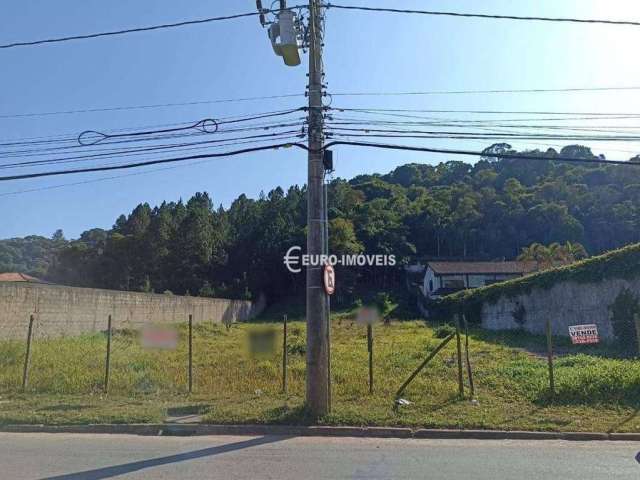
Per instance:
(317,304)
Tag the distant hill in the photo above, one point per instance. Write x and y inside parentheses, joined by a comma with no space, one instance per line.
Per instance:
(33,255)
(491,209)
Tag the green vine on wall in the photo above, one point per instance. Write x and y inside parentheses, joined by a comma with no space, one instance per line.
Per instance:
(623,263)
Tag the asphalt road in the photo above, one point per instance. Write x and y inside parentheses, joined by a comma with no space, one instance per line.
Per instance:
(75,456)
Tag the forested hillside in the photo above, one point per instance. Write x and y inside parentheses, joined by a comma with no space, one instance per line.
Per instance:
(33,255)
(488,210)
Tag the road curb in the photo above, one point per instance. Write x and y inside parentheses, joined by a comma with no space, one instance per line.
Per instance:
(176,429)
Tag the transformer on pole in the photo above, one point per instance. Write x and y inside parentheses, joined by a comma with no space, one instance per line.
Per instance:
(288,34)
(285,33)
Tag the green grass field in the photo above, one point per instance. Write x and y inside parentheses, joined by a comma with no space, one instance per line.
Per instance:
(595,393)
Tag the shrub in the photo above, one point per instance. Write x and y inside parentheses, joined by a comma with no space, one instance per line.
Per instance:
(623,310)
(297,346)
(384,304)
(443,331)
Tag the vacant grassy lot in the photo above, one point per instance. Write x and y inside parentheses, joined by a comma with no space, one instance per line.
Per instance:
(66,379)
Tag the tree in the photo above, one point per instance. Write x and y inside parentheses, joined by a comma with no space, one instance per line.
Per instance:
(492,209)
(554,255)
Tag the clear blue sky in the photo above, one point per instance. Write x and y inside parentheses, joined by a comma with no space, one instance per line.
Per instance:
(364,52)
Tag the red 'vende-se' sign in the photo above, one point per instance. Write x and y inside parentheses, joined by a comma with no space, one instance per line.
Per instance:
(584,334)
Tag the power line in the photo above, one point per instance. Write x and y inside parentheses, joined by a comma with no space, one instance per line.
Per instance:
(493,127)
(472,92)
(487,136)
(487,16)
(121,153)
(506,156)
(158,105)
(73,137)
(207,125)
(490,112)
(138,138)
(102,179)
(153,162)
(137,29)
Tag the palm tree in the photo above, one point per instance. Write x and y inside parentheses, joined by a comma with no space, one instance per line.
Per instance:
(554,255)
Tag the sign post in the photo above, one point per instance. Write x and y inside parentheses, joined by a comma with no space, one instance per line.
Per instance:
(369,316)
(370,348)
(636,319)
(552,386)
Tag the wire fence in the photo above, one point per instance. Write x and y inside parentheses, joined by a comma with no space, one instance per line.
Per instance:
(135,357)
(439,360)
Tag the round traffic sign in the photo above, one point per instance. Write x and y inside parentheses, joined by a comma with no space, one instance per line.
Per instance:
(329,278)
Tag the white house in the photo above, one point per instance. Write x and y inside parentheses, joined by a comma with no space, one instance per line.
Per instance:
(443,278)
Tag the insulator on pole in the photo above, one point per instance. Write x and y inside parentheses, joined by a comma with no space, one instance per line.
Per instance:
(263,20)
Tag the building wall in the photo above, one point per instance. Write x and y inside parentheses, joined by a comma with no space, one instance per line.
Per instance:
(565,304)
(469,280)
(66,311)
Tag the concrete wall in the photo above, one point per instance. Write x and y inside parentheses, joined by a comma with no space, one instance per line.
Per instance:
(65,311)
(566,303)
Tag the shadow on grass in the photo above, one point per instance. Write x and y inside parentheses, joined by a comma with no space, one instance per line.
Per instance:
(285,415)
(64,408)
(195,409)
(626,420)
(585,393)
(537,344)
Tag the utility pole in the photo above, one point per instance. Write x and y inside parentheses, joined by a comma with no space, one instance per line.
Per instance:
(285,32)
(317,304)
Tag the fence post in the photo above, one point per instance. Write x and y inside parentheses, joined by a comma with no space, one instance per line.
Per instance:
(552,386)
(370,349)
(284,355)
(108,361)
(190,353)
(636,318)
(466,349)
(459,350)
(27,356)
(423,364)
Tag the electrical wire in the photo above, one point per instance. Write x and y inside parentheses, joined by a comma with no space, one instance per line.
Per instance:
(115,177)
(506,156)
(146,150)
(493,127)
(152,106)
(109,147)
(472,92)
(137,138)
(509,112)
(485,136)
(487,16)
(72,137)
(137,29)
(153,162)
(208,125)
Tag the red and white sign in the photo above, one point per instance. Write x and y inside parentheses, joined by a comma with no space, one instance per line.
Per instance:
(584,334)
(368,316)
(159,337)
(329,279)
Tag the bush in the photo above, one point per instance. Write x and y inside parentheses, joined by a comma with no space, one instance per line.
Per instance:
(443,331)
(296,346)
(384,304)
(623,310)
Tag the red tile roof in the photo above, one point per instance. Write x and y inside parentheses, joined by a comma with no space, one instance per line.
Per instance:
(18,277)
(479,268)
